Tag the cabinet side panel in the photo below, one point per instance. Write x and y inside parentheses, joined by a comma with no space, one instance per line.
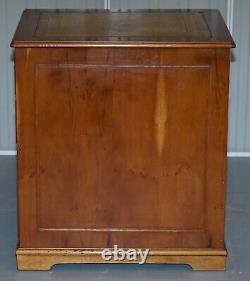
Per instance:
(121,146)
(123,156)
(25,146)
(217,147)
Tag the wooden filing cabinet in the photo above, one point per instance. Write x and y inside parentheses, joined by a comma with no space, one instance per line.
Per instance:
(121,135)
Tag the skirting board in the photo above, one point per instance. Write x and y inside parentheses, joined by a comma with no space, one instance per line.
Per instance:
(7,152)
(238,154)
(229,154)
(44,259)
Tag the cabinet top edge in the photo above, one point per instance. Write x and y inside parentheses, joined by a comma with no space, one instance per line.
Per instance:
(131,28)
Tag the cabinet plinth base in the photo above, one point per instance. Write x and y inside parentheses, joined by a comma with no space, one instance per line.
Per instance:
(44,259)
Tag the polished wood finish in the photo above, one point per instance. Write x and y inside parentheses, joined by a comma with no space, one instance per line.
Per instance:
(121,146)
(161,28)
(44,259)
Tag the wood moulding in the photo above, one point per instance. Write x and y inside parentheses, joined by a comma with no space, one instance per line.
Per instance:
(45,259)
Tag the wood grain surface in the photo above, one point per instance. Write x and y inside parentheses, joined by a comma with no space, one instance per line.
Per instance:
(122,146)
(45,259)
(159,28)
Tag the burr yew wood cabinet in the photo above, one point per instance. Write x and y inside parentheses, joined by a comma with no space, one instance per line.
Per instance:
(121,135)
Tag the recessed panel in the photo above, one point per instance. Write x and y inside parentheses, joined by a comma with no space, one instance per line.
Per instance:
(184,25)
(121,148)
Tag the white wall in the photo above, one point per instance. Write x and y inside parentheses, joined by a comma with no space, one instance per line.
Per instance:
(239,131)
(239,128)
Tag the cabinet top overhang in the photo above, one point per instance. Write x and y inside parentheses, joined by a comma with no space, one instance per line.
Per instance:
(137,28)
